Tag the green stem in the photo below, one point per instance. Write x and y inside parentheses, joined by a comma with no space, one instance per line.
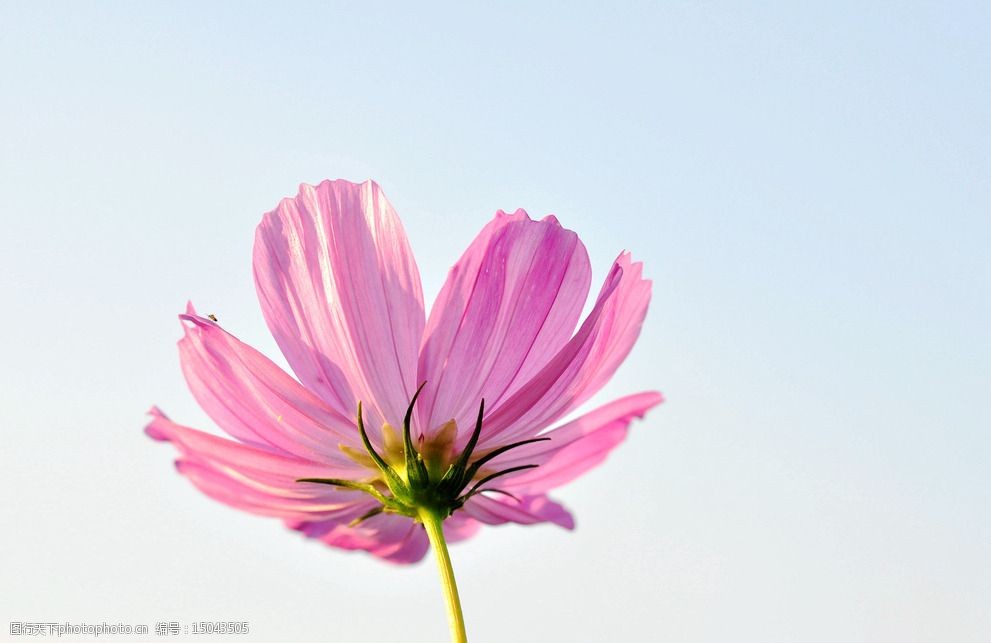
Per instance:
(435,532)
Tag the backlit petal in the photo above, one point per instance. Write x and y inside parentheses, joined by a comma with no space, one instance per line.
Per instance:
(256,463)
(256,401)
(529,510)
(252,479)
(341,294)
(509,305)
(583,365)
(238,492)
(460,527)
(397,539)
(575,447)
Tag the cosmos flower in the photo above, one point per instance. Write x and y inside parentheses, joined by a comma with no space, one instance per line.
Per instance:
(393,413)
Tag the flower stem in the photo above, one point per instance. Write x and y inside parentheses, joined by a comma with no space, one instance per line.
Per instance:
(435,532)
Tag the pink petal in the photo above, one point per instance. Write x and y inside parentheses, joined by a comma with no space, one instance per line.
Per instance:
(529,510)
(341,294)
(460,527)
(412,549)
(583,365)
(509,305)
(256,401)
(392,537)
(575,447)
(397,539)
(273,469)
(236,492)
(260,482)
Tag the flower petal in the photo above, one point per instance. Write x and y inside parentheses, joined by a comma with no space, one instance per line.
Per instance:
(411,550)
(529,510)
(583,365)
(255,463)
(460,527)
(577,446)
(256,401)
(397,539)
(236,492)
(509,304)
(341,294)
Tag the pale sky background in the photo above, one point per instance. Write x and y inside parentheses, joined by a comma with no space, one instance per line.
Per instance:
(807,186)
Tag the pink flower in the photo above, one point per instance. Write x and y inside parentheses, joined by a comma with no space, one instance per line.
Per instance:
(341,293)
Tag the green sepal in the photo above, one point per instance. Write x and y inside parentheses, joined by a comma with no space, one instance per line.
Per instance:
(414,491)
(350,484)
(365,516)
(478,485)
(500,491)
(477,464)
(416,470)
(393,479)
(453,480)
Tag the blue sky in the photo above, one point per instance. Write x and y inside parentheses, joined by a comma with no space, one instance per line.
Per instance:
(807,186)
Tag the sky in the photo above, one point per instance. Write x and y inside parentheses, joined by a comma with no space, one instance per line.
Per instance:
(807,186)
